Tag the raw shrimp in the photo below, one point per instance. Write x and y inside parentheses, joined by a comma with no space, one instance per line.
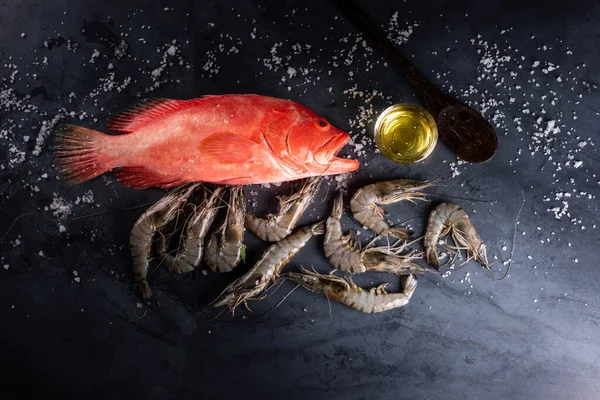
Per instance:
(364,203)
(224,248)
(256,280)
(344,251)
(346,292)
(142,234)
(450,218)
(190,254)
(273,228)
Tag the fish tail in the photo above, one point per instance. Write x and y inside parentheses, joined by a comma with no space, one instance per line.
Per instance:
(79,154)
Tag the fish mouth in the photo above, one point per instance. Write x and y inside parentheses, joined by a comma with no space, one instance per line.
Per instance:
(341,165)
(326,153)
(335,165)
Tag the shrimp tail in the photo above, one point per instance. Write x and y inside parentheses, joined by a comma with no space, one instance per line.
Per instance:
(80,154)
(431,256)
(409,284)
(399,232)
(318,228)
(338,207)
(145,291)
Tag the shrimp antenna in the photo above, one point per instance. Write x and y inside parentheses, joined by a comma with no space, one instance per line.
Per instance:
(137,319)
(512,250)
(14,222)
(463,198)
(112,212)
(216,316)
(255,317)
(275,306)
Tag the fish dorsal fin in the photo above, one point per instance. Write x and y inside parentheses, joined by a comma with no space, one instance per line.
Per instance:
(146,111)
(142,178)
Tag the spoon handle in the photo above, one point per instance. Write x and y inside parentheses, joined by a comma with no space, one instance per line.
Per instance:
(433,98)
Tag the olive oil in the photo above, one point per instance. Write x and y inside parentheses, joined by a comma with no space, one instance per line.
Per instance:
(405,133)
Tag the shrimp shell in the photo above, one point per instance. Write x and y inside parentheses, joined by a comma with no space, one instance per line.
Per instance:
(348,293)
(143,231)
(190,253)
(365,209)
(450,218)
(273,228)
(224,248)
(256,280)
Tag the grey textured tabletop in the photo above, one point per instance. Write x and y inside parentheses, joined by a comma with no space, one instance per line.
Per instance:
(72,322)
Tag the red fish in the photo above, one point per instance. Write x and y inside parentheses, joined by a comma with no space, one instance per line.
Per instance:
(228,139)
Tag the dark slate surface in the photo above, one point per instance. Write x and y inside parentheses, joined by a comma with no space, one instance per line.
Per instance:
(533,335)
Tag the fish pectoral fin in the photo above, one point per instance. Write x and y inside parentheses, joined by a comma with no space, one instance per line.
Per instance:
(228,148)
(142,178)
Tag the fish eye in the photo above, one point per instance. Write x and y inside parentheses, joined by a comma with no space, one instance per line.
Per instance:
(321,123)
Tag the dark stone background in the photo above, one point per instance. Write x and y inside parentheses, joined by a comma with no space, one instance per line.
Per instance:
(493,340)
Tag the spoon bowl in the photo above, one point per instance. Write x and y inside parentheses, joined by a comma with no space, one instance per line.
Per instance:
(467,133)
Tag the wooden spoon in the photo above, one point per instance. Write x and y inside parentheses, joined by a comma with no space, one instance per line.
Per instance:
(463,129)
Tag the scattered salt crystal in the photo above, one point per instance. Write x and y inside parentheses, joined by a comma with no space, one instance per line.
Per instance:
(95,55)
(88,197)
(6,266)
(60,208)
